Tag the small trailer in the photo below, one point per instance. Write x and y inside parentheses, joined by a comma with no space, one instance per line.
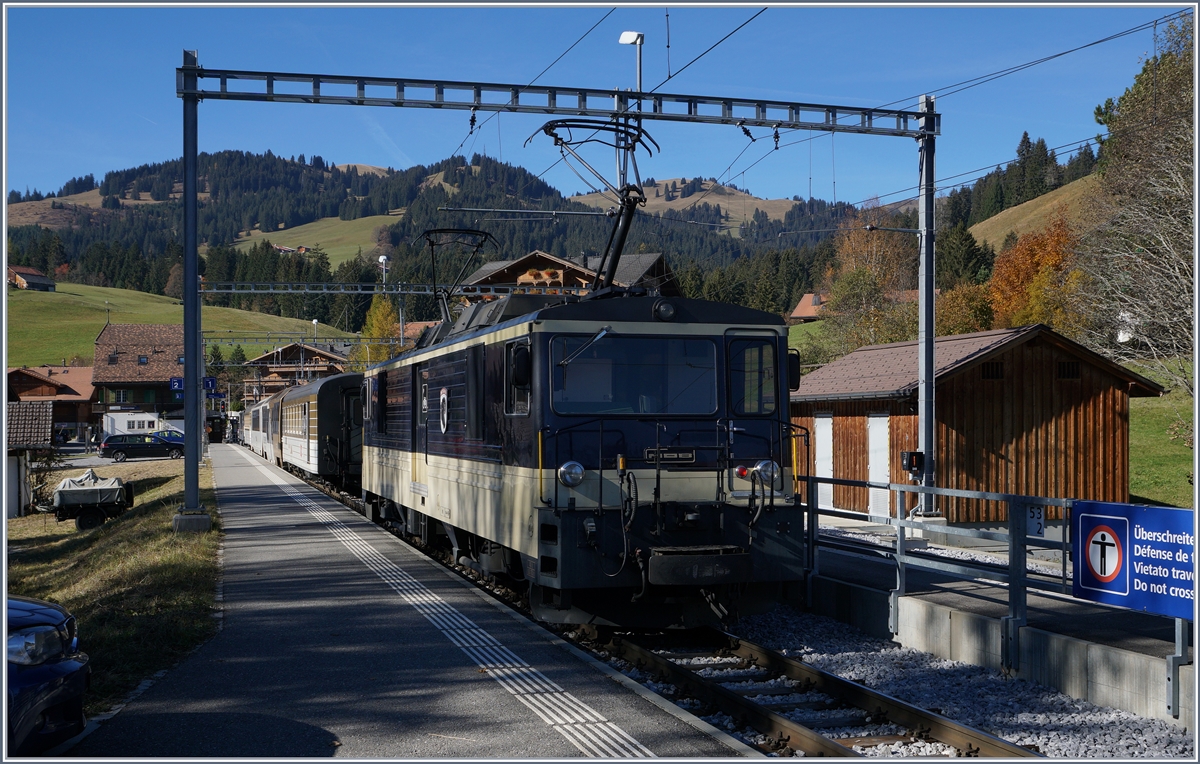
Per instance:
(90,500)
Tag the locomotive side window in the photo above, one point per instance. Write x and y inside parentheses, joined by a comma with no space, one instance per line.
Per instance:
(752,387)
(379,402)
(517,378)
(633,375)
(475,384)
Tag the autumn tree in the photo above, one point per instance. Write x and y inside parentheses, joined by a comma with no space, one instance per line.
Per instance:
(966,308)
(381,328)
(1035,280)
(1139,260)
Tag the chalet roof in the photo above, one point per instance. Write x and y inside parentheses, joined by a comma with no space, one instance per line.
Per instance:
(295,348)
(810,305)
(632,269)
(30,424)
(890,371)
(119,347)
(73,383)
(413,329)
(25,270)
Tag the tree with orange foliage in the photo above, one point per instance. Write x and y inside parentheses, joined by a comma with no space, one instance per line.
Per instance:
(889,255)
(1034,281)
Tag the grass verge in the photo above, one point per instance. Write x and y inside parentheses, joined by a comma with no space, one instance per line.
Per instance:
(1158,466)
(143,594)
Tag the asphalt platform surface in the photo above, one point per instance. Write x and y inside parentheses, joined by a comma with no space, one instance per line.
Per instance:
(340,640)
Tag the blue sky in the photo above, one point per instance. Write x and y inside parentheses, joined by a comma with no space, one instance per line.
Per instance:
(92,89)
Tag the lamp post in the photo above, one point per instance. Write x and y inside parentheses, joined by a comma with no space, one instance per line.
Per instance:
(630,38)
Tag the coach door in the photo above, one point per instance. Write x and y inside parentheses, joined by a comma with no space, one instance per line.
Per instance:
(420,439)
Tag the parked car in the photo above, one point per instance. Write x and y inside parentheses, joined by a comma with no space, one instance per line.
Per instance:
(47,676)
(174,436)
(122,447)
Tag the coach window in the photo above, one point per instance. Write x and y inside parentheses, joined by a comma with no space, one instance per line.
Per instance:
(752,384)
(517,378)
(379,402)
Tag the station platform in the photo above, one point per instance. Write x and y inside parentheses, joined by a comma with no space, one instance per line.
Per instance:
(339,639)
(1109,656)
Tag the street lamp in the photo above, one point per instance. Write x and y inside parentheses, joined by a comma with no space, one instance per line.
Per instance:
(635,38)
(314,332)
(383,260)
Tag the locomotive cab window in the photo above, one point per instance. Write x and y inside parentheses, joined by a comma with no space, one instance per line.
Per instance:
(518,380)
(611,374)
(752,384)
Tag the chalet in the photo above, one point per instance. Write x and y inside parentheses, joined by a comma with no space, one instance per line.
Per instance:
(1023,411)
(24,277)
(69,388)
(132,372)
(541,269)
(293,364)
(30,428)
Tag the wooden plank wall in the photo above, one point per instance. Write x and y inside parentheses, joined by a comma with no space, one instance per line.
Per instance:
(1029,433)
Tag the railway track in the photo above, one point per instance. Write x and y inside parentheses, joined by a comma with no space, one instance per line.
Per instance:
(781,698)
(787,701)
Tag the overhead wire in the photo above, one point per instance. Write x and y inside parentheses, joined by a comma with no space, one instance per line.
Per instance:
(976,81)
(535,79)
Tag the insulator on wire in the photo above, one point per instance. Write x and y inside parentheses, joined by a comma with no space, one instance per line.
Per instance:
(746,131)
(472,119)
(777,137)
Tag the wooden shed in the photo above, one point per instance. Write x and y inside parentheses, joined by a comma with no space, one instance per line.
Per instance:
(1024,411)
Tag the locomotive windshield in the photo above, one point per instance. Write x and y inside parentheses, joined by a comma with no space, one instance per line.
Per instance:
(633,375)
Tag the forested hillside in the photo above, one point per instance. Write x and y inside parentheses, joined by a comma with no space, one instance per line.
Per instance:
(132,240)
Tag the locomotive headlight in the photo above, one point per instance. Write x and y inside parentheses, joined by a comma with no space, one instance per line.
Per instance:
(664,311)
(767,470)
(570,474)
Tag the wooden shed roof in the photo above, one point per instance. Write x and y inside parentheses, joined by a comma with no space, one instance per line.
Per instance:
(891,371)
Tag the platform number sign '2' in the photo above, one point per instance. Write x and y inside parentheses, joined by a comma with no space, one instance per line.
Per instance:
(1035,522)
(1134,556)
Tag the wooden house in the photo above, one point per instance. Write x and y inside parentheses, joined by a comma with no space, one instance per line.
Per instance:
(132,372)
(542,269)
(1024,411)
(24,277)
(69,388)
(292,364)
(29,430)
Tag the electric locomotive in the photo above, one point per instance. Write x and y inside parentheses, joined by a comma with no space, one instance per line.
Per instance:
(629,457)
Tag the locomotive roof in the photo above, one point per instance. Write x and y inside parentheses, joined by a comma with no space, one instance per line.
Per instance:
(313,387)
(487,316)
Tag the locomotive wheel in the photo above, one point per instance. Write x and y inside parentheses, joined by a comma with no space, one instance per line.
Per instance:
(89,518)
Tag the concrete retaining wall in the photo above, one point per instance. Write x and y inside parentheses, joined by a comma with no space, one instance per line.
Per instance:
(1106,676)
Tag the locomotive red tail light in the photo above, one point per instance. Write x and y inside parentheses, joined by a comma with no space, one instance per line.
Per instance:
(742,471)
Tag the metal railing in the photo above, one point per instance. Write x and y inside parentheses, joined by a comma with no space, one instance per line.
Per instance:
(1016,576)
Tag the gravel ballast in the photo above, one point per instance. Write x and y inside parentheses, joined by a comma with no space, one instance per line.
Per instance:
(1014,709)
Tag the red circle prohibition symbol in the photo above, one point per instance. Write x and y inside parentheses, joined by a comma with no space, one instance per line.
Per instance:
(1104,553)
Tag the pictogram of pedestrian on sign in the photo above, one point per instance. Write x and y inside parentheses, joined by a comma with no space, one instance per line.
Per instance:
(1105,543)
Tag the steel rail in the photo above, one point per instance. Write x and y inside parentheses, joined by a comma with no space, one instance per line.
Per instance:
(795,736)
(971,741)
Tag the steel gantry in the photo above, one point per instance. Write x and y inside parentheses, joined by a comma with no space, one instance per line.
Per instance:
(194,83)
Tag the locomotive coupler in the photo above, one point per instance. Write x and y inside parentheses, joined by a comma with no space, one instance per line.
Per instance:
(641,563)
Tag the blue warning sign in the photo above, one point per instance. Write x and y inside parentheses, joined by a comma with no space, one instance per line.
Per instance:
(1137,557)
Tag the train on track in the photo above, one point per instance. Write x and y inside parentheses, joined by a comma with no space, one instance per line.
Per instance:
(627,457)
(622,456)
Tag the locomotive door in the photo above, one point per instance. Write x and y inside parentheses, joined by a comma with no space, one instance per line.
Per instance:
(753,394)
(420,432)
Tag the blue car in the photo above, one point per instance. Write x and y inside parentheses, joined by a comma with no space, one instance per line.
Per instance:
(47,676)
(171,436)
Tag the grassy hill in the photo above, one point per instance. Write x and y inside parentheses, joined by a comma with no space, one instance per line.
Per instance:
(1035,214)
(738,204)
(341,239)
(46,327)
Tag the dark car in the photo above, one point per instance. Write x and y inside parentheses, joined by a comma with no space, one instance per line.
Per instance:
(122,447)
(47,676)
(174,436)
